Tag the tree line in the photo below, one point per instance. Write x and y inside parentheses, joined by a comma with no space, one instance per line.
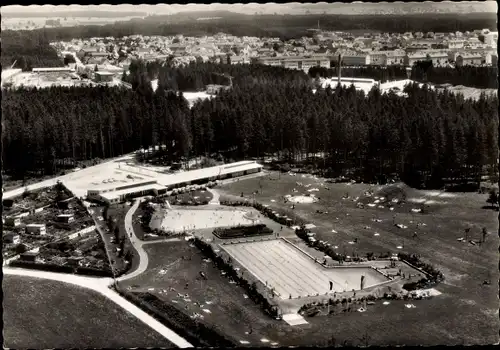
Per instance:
(28,49)
(478,77)
(283,26)
(429,136)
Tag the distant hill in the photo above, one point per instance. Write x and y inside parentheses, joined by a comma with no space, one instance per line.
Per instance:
(72,14)
(396,8)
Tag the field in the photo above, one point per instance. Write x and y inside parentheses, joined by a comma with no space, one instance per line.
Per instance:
(180,220)
(47,314)
(292,274)
(438,227)
(173,264)
(441,320)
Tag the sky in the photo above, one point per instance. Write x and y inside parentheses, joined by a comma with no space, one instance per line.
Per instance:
(250,8)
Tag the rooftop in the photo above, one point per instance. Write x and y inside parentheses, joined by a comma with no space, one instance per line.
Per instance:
(117,194)
(200,174)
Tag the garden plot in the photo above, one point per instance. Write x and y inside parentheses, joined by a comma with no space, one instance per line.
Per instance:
(292,273)
(180,220)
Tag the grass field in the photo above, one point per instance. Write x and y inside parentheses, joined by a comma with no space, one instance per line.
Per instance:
(40,314)
(443,221)
(236,315)
(189,198)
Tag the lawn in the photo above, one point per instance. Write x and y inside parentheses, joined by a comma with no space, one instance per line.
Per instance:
(443,221)
(40,314)
(190,198)
(173,264)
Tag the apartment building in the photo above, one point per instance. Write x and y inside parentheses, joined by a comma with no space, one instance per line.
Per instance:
(455,44)
(438,59)
(297,62)
(378,58)
(356,59)
(472,59)
(491,39)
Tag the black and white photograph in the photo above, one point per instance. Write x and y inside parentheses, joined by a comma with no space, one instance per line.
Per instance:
(252,175)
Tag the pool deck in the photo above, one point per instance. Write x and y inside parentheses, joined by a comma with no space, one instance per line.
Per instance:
(293,274)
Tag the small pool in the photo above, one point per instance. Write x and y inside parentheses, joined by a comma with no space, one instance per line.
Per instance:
(349,278)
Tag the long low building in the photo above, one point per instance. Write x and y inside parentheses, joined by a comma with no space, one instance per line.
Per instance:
(115,193)
(200,176)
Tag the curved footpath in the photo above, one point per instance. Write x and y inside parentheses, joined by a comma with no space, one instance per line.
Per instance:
(101,285)
(139,244)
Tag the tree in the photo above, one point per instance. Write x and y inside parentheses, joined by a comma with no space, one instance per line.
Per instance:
(493,198)
(69,59)
(116,232)
(484,234)
(21,248)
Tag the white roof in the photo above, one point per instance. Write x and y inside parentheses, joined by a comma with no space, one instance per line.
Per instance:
(206,173)
(52,69)
(35,225)
(113,185)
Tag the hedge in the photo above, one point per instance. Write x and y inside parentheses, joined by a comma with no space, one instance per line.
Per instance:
(268,212)
(242,231)
(44,267)
(61,268)
(434,275)
(93,272)
(198,334)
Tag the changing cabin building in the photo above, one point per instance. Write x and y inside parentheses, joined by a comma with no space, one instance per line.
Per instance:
(112,193)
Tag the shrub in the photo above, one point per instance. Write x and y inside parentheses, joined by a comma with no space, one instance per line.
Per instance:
(195,332)
(44,267)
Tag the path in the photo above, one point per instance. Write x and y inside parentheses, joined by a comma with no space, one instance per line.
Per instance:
(139,244)
(101,285)
(215,197)
(136,242)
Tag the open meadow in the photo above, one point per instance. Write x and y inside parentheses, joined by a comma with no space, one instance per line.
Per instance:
(39,313)
(428,223)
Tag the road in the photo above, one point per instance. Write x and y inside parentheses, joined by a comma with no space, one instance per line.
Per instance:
(101,285)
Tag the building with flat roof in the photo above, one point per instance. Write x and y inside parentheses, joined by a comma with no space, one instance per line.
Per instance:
(101,77)
(113,193)
(200,176)
(53,69)
(65,218)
